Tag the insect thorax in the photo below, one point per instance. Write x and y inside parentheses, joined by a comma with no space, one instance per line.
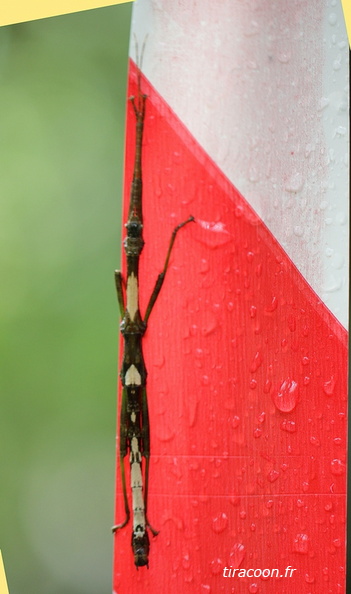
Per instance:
(133,246)
(134,243)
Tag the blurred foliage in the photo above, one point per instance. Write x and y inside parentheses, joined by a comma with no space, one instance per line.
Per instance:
(62,106)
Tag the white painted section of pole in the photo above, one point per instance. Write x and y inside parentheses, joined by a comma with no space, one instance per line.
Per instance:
(263,87)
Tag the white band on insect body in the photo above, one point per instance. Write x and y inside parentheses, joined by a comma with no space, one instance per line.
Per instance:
(139,523)
(132,295)
(132,377)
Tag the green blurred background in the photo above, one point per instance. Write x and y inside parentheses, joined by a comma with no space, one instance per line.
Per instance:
(62,108)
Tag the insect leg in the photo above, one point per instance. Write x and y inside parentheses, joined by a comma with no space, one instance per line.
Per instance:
(123,447)
(161,276)
(145,432)
(119,289)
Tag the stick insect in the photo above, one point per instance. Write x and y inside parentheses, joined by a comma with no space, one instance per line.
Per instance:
(134,417)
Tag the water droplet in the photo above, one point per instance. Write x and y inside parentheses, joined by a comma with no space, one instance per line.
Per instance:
(262,417)
(301,544)
(284,343)
(219,523)
(216,566)
(253,384)
(193,407)
(288,426)
(329,385)
(251,29)
(298,231)
(210,325)
(295,183)
(310,579)
(257,432)
(175,469)
(305,330)
(253,175)
(338,261)
(267,386)
(235,421)
(337,467)
(186,561)
(273,475)
(286,397)
(234,500)
(256,363)
(315,441)
(253,311)
(272,306)
(305,486)
(165,433)
(204,266)
(159,361)
(323,103)
(284,57)
(332,19)
(242,515)
(341,218)
(237,555)
(269,503)
(193,330)
(215,234)
(291,323)
(205,589)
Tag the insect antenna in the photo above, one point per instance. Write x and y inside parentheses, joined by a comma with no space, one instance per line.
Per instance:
(139,64)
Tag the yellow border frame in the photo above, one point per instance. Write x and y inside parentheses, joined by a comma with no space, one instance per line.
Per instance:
(19,11)
(3,583)
(346,6)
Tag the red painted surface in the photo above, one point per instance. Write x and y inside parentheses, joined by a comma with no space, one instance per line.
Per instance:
(246,388)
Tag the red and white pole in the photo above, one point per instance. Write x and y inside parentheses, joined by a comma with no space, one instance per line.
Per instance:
(246,129)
